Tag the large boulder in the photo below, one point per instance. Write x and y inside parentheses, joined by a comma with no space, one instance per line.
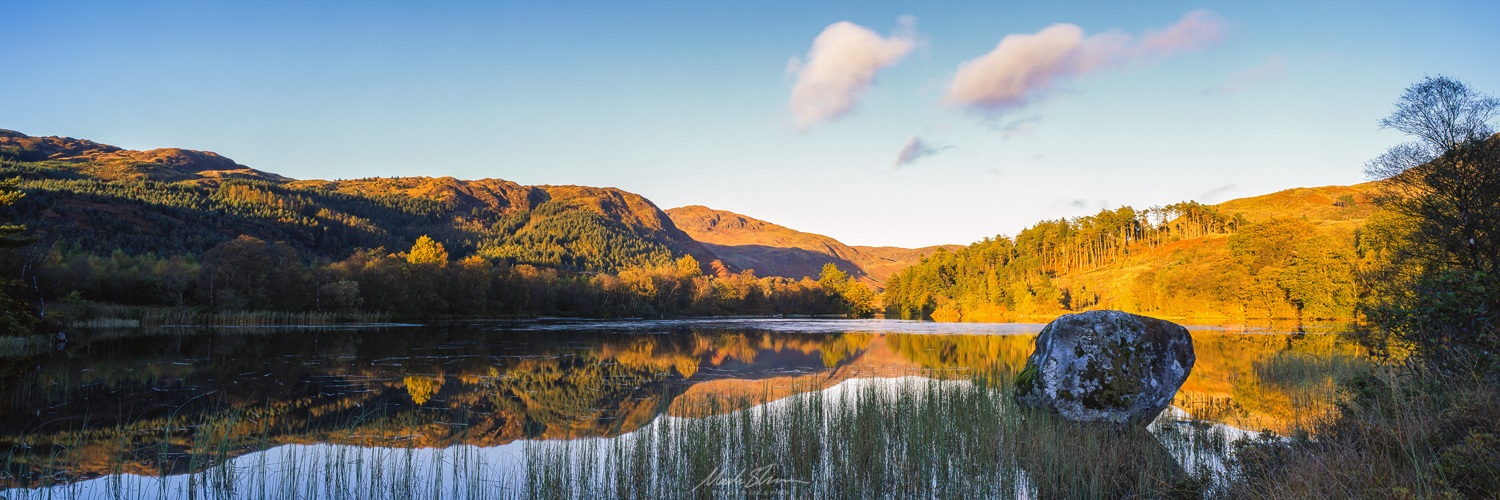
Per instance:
(1106,366)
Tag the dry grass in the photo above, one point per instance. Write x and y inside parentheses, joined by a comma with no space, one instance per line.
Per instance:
(1402,435)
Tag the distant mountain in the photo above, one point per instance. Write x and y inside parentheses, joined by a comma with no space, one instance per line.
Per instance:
(115,164)
(773,250)
(103,198)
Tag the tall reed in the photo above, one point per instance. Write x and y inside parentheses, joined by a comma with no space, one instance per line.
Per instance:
(911,437)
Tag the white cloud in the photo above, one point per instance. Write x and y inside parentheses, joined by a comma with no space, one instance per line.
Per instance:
(841,66)
(1024,66)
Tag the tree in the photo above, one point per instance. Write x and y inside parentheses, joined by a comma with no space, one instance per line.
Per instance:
(1443,114)
(247,272)
(427,251)
(1438,291)
(10,234)
(1448,181)
(15,317)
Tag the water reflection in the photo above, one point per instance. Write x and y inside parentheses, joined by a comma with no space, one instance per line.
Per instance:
(142,402)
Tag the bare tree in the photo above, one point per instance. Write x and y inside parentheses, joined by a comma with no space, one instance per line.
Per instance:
(1447,183)
(1443,112)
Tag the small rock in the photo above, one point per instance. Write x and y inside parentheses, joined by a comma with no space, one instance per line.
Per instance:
(1106,366)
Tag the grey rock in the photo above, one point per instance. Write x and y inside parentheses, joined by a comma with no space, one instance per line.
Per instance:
(1106,366)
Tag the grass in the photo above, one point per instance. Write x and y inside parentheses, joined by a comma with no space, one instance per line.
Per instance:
(233,457)
(1401,434)
(24,346)
(102,315)
(914,438)
(1302,372)
(897,438)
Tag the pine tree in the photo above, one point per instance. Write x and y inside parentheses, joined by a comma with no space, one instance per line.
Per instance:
(15,318)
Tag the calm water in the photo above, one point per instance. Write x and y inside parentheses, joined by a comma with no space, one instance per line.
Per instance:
(114,406)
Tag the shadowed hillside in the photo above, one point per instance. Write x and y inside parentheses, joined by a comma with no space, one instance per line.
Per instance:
(102,198)
(773,250)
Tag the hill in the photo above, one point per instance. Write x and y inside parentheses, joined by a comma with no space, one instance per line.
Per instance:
(1289,254)
(107,162)
(175,201)
(773,250)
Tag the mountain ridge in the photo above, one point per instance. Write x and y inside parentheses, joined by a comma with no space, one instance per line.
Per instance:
(772,249)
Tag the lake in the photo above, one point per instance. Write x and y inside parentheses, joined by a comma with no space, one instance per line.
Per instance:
(595,409)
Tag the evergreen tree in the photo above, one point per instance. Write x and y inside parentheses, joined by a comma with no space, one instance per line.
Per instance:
(15,317)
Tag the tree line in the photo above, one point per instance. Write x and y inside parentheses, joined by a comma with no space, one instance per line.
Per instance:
(248,273)
(1273,268)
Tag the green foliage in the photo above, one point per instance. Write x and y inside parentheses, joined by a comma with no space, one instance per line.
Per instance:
(10,234)
(562,236)
(16,318)
(1275,268)
(1473,465)
(845,295)
(188,219)
(1447,320)
(1440,244)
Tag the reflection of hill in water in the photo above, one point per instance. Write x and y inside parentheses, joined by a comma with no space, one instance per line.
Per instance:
(112,397)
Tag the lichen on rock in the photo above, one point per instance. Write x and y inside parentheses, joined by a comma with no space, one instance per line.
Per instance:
(1106,366)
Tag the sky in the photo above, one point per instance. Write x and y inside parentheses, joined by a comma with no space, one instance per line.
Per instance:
(876,123)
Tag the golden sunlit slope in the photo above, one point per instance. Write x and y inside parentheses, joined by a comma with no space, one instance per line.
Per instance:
(1189,270)
(113,163)
(773,250)
(1289,254)
(1317,203)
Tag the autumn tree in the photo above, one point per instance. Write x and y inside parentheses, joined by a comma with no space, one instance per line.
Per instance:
(427,251)
(249,273)
(844,294)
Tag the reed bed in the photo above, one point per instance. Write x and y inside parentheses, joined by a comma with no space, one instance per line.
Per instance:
(24,346)
(230,457)
(913,437)
(117,316)
(1301,372)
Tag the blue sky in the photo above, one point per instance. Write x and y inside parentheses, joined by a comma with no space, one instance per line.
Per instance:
(692,103)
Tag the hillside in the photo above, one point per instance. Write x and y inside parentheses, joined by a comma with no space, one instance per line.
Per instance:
(175,201)
(111,163)
(773,250)
(1289,254)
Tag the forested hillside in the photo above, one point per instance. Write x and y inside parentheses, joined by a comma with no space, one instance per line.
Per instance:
(99,198)
(1291,254)
(199,234)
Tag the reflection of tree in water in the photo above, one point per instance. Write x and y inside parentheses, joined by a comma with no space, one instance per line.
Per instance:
(983,355)
(438,386)
(422,387)
(110,399)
